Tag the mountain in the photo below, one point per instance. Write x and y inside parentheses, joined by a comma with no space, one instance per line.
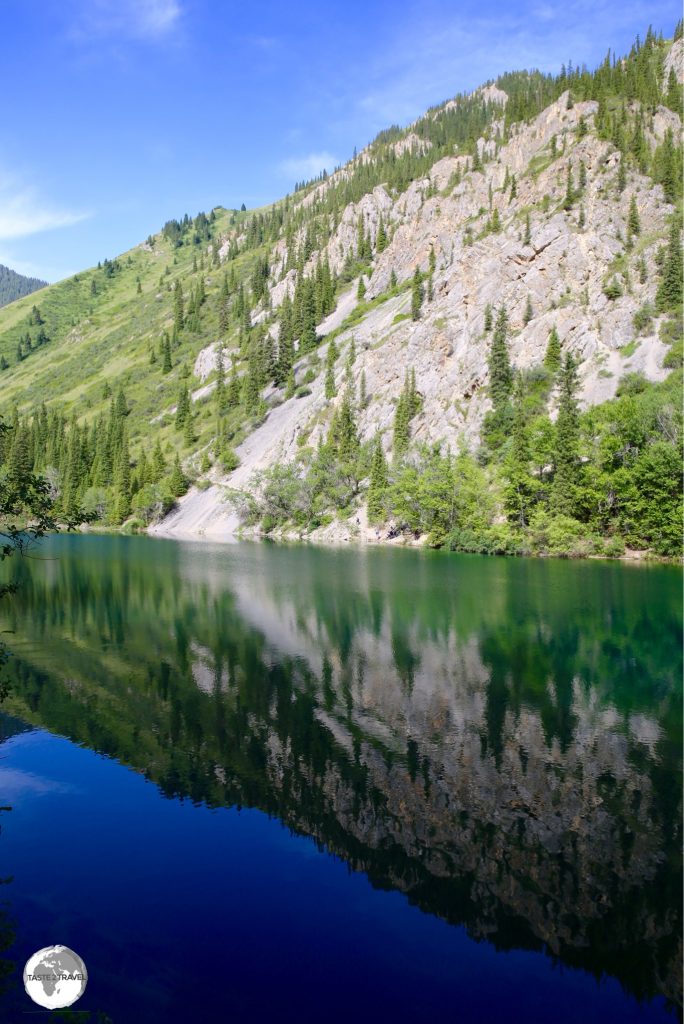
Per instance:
(15,286)
(469,333)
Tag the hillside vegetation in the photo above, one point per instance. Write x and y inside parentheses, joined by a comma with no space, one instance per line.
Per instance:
(14,286)
(470,333)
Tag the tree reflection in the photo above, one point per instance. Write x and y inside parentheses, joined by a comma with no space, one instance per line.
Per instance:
(498,740)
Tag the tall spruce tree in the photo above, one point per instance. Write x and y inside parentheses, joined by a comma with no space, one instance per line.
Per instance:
(633,222)
(331,359)
(500,372)
(566,448)
(416,294)
(669,295)
(520,486)
(552,358)
(377,487)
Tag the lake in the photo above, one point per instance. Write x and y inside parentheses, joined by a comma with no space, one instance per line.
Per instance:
(254,783)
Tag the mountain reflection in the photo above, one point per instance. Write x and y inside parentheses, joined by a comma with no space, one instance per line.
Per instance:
(499,740)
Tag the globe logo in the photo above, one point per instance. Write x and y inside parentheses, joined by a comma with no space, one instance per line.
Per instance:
(55,977)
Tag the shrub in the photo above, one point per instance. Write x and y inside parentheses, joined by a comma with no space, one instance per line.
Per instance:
(133,525)
(613,547)
(675,357)
(643,318)
(612,289)
(229,460)
(561,535)
(631,384)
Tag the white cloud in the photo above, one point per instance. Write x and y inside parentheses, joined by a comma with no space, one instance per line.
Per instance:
(302,168)
(23,211)
(137,19)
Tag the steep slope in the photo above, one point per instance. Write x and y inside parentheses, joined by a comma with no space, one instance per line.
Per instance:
(14,286)
(366,310)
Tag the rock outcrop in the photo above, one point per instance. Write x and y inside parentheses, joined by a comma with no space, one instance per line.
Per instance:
(550,259)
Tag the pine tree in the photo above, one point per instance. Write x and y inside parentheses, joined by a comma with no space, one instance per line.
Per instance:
(158,463)
(520,482)
(253,381)
(582,180)
(144,470)
(393,278)
(529,311)
(363,391)
(331,359)
(377,487)
(566,448)
(361,290)
(189,435)
(167,365)
(552,359)
(121,406)
(643,270)
(528,230)
(343,435)
(408,405)
(178,308)
(416,294)
(122,482)
(488,318)
(351,358)
(182,406)
(381,237)
(307,338)
(569,191)
(669,295)
(233,395)
(178,483)
(500,372)
(674,93)
(633,222)
(223,317)
(221,393)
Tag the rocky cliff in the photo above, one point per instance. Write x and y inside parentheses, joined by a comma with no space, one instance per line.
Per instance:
(541,226)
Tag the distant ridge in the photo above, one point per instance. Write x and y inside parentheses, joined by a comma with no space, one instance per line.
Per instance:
(15,286)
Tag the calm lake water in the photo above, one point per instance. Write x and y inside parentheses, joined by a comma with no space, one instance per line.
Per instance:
(257,783)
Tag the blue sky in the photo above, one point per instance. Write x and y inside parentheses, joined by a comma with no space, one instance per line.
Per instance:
(120,114)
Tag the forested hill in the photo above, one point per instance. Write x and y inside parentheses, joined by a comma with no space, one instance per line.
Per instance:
(469,333)
(14,286)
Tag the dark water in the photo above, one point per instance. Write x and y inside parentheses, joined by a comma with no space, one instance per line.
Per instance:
(253,783)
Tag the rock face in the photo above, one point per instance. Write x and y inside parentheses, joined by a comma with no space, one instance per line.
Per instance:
(556,255)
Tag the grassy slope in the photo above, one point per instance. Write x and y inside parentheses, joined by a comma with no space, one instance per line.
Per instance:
(107,338)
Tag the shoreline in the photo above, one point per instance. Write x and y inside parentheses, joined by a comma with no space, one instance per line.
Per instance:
(630,556)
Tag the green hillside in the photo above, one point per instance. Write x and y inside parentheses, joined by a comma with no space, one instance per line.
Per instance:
(96,372)
(14,286)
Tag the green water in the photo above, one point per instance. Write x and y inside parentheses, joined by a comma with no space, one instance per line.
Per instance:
(499,740)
